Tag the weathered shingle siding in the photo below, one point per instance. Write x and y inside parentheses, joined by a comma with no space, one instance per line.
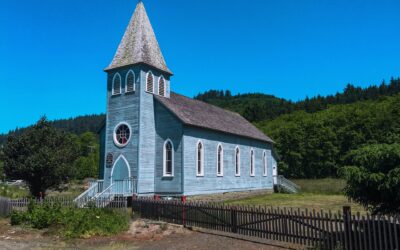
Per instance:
(168,127)
(122,108)
(210,182)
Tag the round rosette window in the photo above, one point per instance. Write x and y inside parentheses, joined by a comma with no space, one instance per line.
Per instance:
(122,134)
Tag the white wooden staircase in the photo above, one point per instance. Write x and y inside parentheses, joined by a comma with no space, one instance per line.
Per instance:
(100,196)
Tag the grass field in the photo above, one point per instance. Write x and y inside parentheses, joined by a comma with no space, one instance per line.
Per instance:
(325,194)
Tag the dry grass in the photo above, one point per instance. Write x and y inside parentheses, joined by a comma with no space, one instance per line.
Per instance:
(319,194)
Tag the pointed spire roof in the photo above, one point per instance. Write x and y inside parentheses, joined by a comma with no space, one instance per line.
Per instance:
(139,44)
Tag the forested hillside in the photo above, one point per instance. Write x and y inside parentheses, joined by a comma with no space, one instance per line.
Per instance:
(313,145)
(77,125)
(314,135)
(259,107)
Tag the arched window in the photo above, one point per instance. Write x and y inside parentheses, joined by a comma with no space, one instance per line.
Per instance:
(265,163)
(237,161)
(161,86)
(116,84)
(220,160)
(150,83)
(200,159)
(168,158)
(130,82)
(252,162)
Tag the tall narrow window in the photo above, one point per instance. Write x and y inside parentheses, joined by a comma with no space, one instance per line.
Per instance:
(150,83)
(200,159)
(252,162)
(237,161)
(161,86)
(130,82)
(168,158)
(265,163)
(116,84)
(220,161)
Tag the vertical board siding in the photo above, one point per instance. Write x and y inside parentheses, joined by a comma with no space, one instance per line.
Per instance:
(122,108)
(168,127)
(147,140)
(210,182)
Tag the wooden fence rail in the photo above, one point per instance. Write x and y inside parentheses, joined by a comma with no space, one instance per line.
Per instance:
(310,228)
(8,205)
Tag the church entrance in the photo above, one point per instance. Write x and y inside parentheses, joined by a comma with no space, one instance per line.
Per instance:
(120,176)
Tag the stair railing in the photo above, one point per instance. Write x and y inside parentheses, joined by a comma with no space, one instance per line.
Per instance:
(288,185)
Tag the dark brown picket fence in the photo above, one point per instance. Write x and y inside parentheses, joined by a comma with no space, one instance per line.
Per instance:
(328,230)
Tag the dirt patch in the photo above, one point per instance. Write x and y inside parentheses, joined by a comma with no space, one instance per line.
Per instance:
(142,234)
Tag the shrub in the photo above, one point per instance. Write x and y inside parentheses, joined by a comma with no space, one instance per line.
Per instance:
(72,222)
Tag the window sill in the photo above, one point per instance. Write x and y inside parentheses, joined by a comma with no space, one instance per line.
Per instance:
(199,175)
(220,175)
(237,175)
(252,175)
(167,176)
(115,95)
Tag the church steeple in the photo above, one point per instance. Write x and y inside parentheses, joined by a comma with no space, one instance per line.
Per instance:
(139,44)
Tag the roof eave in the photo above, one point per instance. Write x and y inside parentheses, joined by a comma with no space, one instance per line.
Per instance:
(108,69)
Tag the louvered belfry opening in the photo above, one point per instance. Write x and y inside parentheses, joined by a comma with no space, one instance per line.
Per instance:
(117,85)
(130,82)
(149,85)
(161,87)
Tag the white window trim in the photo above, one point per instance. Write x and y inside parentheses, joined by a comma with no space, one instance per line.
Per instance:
(147,77)
(134,82)
(237,161)
(201,174)
(252,168)
(265,163)
(222,160)
(164,159)
(158,91)
(115,135)
(120,84)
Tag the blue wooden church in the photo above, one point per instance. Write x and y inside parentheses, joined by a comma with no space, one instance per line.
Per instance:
(157,142)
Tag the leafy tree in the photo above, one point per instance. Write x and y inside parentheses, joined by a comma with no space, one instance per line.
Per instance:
(373,177)
(41,155)
(86,165)
(313,145)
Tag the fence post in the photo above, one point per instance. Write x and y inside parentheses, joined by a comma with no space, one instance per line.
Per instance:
(183,200)
(347,227)
(233,220)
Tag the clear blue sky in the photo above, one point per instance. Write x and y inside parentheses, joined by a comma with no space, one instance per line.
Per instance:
(52,53)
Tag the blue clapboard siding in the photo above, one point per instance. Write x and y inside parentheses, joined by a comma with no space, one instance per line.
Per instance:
(210,182)
(168,127)
(152,124)
(122,108)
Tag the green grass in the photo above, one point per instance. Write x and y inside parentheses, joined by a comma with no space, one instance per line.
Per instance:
(303,201)
(13,192)
(72,222)
(321,186)
(325,194)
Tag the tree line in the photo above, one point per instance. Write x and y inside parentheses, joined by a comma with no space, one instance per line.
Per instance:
(258,107)
(46,157)
(315,145)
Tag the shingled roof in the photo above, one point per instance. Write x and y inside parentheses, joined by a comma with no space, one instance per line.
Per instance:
(139,44)
(200,114)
